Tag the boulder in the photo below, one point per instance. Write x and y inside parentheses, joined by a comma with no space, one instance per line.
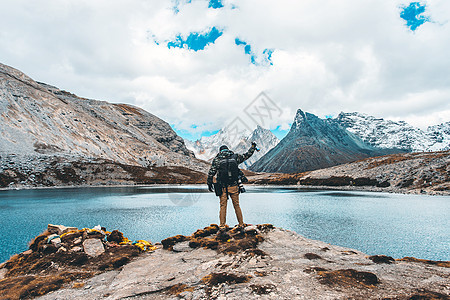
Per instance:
(115,236)
(56,242)
(76,249)
(93,247)
(59,229)
(61,249)
(94,234)
(182,247)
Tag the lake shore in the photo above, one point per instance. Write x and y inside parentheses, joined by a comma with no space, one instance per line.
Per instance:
(410,173)
(260,262)
(394,190)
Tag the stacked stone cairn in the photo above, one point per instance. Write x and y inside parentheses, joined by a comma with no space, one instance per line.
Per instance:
(92,241)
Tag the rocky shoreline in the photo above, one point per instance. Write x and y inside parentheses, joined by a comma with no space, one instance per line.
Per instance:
(409,173)
(38,171)
(273,185)
(257,262)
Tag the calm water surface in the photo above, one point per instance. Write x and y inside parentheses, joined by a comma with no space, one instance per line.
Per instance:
(375,223)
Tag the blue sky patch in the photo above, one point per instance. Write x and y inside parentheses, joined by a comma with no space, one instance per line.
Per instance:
(238,42)
(268,55)
(215,4)
(176,5)
(192,136)
(211,4)
(196,41)
(413,15)
(247,49)
(264,59)
(281,133)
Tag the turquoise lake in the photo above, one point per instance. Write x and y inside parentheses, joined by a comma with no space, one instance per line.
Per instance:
(375,223)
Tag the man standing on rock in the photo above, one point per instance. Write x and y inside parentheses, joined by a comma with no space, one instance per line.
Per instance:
(225,164)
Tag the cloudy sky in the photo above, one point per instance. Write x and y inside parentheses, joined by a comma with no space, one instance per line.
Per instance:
(198,64)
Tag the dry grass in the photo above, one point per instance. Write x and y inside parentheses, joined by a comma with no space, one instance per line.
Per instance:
(444,264)
(164,175)
(228,241)
(381,259)
(276,179)
(179,288)
(128,109)
(388,160)
(170,241)
(43,268)
(262,289)
(218,278)
(52,263)
(348,277)
(103,171)
(312,256)
(30,286)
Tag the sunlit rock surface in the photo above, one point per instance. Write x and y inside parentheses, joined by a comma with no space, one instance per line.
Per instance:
(261,262)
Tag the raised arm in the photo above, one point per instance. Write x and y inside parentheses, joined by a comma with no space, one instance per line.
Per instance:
(240,158)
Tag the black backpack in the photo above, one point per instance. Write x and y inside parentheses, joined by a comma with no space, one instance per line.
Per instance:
(228,171)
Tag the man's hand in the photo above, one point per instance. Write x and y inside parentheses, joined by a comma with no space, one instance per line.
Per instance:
(254,146)
(209,182)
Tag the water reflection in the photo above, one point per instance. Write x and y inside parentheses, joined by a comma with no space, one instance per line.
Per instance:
(351,194)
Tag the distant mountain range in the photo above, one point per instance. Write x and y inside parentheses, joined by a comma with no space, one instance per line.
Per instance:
(314,143)
(207,147)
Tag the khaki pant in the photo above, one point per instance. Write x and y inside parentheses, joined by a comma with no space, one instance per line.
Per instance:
(233,192)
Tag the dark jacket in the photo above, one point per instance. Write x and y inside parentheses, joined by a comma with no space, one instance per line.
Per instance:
(240,158)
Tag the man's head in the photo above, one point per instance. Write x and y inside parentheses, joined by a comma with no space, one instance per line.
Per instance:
(223,147)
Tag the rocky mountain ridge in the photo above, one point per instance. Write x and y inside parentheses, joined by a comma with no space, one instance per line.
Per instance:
(41,122)
(207,147)
(313,143)
(382,133)
(39,118)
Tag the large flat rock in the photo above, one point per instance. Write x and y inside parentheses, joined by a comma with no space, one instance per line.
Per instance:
(284,266)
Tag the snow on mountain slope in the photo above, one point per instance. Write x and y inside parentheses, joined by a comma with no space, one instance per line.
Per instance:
(388,134)
(265,141)
(440,135)
(207,147)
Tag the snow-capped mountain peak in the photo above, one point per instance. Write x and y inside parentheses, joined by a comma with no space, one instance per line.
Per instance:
(206,148)
(382,133)
(440,135)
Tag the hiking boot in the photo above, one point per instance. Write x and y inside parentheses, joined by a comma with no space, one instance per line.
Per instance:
(236,230)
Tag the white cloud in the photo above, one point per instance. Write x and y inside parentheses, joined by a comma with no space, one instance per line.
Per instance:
(329,56)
